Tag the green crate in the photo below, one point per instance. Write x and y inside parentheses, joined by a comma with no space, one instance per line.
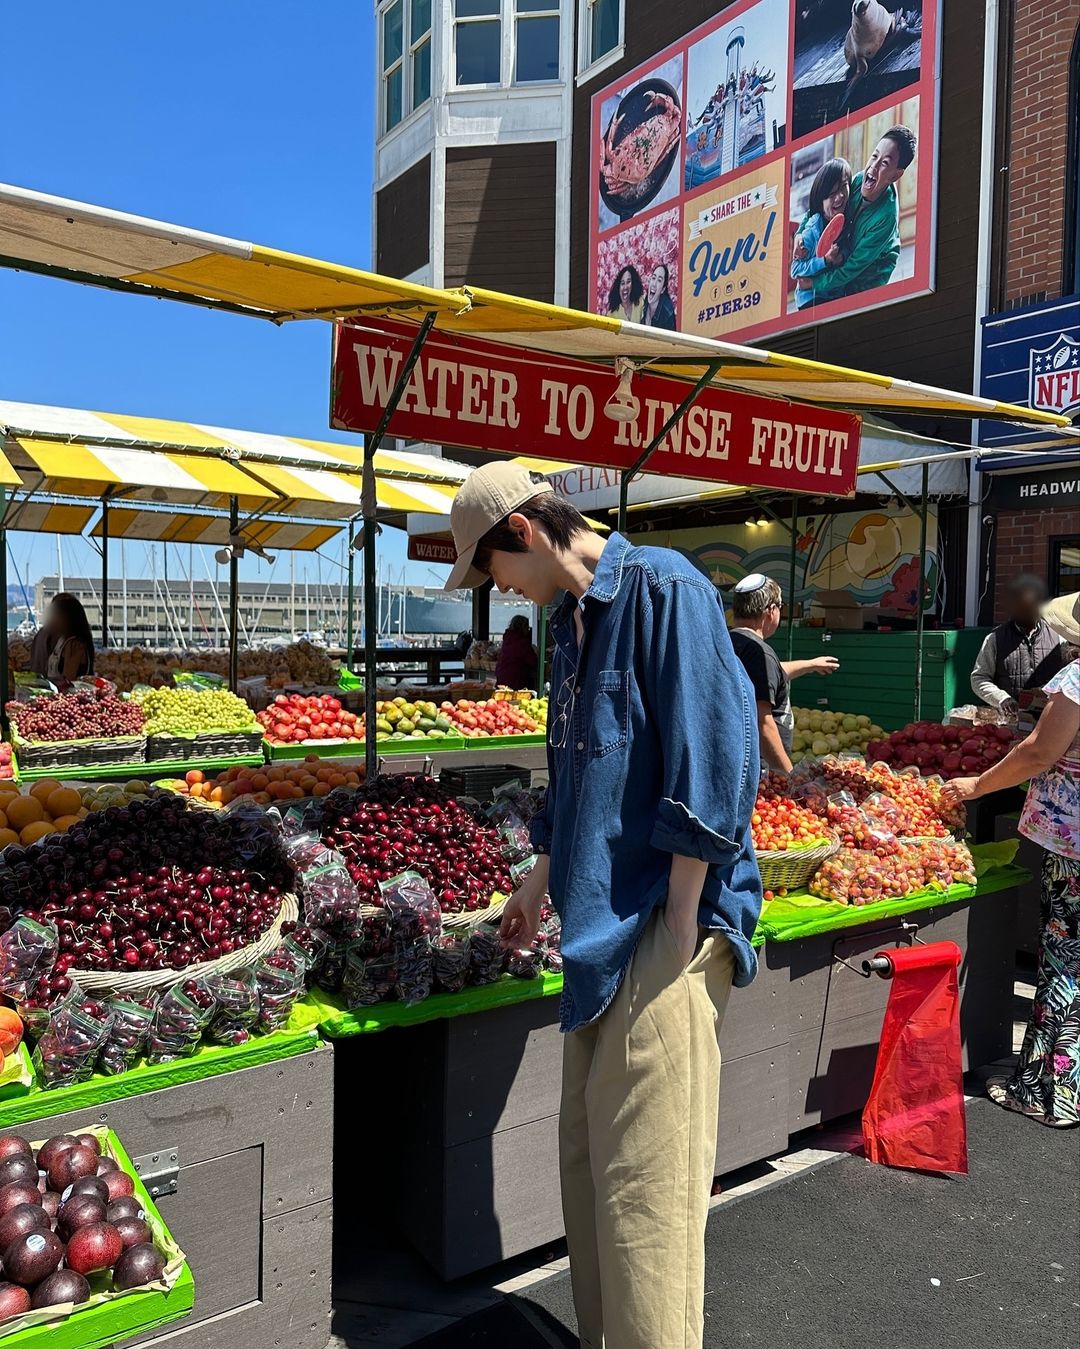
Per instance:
(101,1324)
(325,749)
(504,741)
(160,768)
(425,746)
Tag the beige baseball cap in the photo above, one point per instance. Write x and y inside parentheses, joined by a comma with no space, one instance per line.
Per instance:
(486,497)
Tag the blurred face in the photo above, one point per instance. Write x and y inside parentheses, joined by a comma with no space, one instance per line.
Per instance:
(836,202)
(1025,608)
(657,284)
(55,622)
(625,287)
(882,169)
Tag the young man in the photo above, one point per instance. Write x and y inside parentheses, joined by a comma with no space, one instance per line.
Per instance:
(645,850)
(756,608)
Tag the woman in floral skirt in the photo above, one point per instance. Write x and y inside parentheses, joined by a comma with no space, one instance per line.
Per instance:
(1046,1081)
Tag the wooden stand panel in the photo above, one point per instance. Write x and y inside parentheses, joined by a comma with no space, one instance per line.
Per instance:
(252,1208)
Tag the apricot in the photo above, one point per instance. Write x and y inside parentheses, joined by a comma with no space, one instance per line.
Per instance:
(44,789)
(8,837)
(63,801)
(37,830)
(24,810)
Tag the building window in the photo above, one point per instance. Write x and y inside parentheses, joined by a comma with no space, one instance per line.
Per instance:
(1071,279)
(1064,569)
(477,42)
(536,41)
(601,29)
(405,58)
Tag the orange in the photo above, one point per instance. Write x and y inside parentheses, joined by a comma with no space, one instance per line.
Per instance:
(7,837)
(338,780)
(62,823)
(24,810)
(3,820)
(43,789)
(37,830)
(63,801)
(321,789)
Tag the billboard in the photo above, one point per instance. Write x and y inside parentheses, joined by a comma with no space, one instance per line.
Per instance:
(1031,356)
(774,168)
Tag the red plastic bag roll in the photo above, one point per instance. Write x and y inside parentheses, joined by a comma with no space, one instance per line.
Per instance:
(915,1114)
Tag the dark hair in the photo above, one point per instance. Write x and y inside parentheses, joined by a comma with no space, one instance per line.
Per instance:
(637,290)
(905,142)
(77,624)
(827,179)
(662,266)
(521,625)
(557,518)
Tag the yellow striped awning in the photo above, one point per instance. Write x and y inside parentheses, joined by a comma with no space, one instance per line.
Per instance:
(90,244)
(170,527)
(47,517)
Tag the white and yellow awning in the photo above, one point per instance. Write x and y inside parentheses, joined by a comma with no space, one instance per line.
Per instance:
(73,452)
(171,527)
(90,244)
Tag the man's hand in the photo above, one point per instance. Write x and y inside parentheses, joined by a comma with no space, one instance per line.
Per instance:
(800,252)
(521,917)
(824,665)
(685,883)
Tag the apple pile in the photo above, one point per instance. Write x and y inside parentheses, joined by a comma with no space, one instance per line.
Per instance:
(406,823)
(68,1213)
(818,732)
(952,751)
(153,885)
(492,716)
(293,719)
(83,714)
(399,719)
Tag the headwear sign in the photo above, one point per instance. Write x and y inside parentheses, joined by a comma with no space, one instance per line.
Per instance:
(774,168)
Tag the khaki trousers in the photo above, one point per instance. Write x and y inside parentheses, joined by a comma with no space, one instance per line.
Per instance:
(637,1145)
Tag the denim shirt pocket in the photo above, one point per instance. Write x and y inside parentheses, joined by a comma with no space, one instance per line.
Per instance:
(610,713)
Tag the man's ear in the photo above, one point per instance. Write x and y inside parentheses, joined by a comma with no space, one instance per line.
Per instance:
(521,524)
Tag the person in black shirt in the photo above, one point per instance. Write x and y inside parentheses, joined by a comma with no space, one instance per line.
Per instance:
(756,603)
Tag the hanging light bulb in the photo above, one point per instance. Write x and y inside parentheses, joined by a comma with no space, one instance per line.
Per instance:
(622,406)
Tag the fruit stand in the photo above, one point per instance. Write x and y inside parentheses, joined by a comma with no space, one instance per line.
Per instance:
(398,877)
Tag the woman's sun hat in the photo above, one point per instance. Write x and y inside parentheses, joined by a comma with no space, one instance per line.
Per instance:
(1063,615)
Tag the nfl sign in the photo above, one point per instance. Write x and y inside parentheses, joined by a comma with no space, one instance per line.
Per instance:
(1031,355)
(1054,376)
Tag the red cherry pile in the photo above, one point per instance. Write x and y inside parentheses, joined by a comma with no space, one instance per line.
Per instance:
(152,885)
(951,751)
(84,714)
(402,823)
(293,719)
(67,1212)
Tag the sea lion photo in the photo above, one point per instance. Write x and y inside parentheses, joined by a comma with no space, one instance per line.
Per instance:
(871,26)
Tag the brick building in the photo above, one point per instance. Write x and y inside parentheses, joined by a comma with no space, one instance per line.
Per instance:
(1029,515)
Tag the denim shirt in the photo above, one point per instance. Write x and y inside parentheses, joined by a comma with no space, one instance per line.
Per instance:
(652,751)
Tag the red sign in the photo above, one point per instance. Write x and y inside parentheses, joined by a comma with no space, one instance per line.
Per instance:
(423,549)
(482,396)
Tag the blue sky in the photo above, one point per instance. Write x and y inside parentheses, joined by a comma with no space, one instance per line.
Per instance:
(245,119)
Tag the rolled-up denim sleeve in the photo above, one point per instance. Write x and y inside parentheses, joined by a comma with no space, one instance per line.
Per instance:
(701,700)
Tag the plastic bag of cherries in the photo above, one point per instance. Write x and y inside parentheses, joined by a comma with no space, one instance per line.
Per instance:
(280,980)
(308,944)
(450,960)
(27,951)
(68,1050)
(131,1022)
(486,956)
(367,979)
(180,1018)
(331,899)
(237,997)
(416,922)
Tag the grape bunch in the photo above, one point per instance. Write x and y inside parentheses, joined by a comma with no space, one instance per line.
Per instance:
(81,715)
(194,711)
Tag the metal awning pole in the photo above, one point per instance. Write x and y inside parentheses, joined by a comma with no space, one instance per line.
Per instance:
(791,582)
(541,647)
(349,632)
(920,601)
(234,596)
(105,573)
(638,464)
(370,509)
